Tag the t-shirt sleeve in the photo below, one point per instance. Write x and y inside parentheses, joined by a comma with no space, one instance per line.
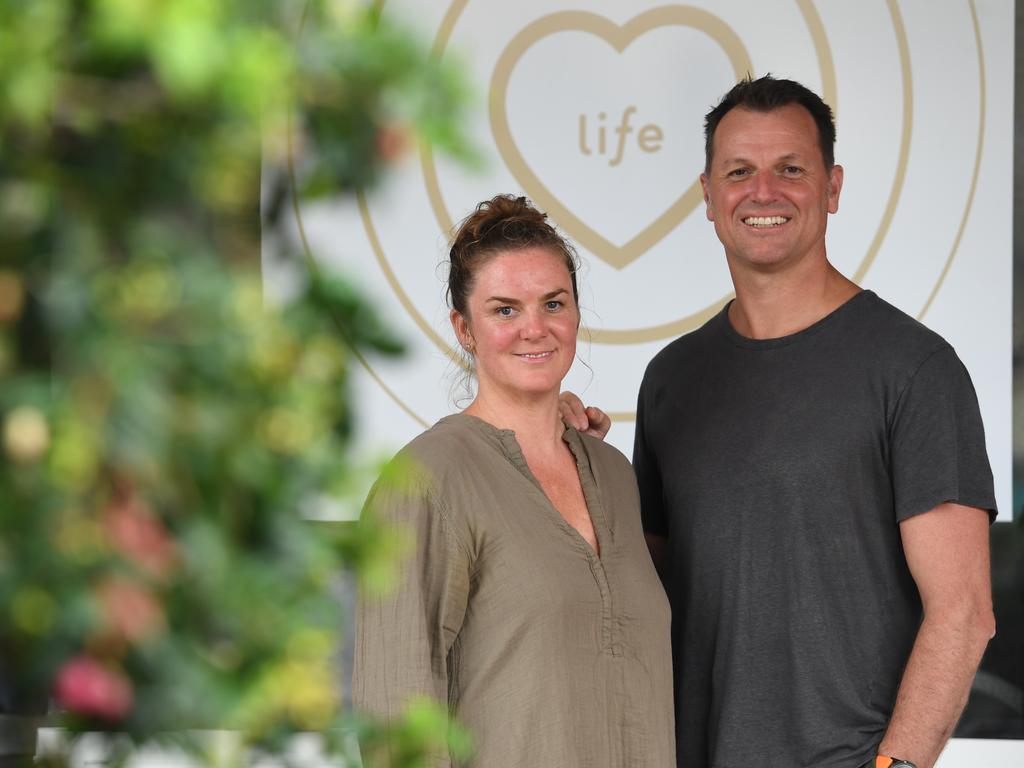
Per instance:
(648,473)
(938,441)
(404,634)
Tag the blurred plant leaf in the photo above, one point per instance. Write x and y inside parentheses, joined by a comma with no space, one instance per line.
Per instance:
(162,423)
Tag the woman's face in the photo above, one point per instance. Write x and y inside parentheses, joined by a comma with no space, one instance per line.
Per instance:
(522,322)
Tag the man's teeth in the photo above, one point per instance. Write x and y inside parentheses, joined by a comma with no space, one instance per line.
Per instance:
(765,221)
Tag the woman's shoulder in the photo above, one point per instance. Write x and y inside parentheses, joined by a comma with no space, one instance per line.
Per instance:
(419,486)
(449,449)
(449,442)
(604,457)
(422,467)
(615,482)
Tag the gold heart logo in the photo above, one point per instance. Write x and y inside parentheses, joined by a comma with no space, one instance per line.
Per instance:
(687,17)
(619,37)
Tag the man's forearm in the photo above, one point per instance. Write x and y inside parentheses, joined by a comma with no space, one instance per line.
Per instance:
(935,685)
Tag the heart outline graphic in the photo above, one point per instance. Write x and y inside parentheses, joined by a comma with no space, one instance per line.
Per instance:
(671,328)
(619,38)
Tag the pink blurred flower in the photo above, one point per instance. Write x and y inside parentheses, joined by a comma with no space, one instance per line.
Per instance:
(139,536)
(87,687)
(392,141)
(130,610)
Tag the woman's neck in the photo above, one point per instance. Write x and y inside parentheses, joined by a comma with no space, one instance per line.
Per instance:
(537,423)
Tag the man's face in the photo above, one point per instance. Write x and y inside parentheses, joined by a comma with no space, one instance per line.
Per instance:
(768,191)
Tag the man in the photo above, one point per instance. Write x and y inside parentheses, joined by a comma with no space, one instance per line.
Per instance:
(814,481)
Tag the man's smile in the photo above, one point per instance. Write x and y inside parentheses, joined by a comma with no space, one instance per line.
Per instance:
(765,221)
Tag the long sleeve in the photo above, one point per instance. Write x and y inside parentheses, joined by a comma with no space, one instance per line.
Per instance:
(544,653)
(403,638)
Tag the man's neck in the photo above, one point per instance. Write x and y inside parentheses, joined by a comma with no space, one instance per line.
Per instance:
(772,305)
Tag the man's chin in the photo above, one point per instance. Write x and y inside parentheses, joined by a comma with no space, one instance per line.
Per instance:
(766,260)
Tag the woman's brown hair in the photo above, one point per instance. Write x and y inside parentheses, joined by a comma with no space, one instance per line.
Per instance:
(503,223)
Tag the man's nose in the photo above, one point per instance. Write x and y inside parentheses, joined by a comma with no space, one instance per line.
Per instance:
(766,188)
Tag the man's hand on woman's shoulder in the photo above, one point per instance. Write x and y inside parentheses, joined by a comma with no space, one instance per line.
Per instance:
(589,420)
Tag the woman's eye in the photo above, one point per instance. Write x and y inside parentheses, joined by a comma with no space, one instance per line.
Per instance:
(553,305)
(505,311)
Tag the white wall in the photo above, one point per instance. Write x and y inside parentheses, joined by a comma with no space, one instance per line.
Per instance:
(923,96)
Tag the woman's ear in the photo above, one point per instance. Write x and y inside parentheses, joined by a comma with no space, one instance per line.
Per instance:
(462,332)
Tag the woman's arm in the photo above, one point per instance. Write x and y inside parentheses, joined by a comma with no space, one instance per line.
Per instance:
(404,634)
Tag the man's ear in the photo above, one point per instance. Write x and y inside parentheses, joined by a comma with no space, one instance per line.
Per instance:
(835,186)
(708,210)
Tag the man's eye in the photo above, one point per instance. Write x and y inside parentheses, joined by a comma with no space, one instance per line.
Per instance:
(738,172)
(792,170)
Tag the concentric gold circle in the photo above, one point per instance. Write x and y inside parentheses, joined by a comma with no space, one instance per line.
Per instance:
(684,324)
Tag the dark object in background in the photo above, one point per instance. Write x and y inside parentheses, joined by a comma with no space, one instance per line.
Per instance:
(995,709)
(19,720)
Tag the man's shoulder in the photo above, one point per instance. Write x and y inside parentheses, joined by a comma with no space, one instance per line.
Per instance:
(694,345)
(891,332)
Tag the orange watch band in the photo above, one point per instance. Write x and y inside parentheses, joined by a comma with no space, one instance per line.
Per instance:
(884,761)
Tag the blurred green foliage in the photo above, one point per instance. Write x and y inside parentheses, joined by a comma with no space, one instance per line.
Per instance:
(162,423)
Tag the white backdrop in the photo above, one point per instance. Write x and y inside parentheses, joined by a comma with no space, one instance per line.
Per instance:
(594,110)
(923,93)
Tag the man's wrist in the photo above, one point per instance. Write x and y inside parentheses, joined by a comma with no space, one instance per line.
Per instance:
(887,761)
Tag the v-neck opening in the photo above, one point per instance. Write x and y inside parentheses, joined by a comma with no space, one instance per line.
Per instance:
(584,473)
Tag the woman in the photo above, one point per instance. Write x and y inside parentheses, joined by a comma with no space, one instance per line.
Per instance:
(531,606)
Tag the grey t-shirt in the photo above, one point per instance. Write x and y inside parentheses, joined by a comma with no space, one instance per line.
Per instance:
(779,470)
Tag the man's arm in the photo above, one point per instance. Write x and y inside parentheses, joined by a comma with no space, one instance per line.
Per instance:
(658,547)
(947,552)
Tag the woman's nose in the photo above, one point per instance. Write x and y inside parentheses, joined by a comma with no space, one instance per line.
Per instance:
(534,325)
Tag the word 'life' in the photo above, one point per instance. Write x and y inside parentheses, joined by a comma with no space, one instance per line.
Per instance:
(648,137)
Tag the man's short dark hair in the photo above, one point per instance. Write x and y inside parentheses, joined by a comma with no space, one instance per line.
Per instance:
(764,95)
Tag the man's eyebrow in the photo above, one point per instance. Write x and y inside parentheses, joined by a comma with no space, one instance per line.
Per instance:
(740,160)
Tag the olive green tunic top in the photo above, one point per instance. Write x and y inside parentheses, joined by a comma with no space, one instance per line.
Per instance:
(551,655)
